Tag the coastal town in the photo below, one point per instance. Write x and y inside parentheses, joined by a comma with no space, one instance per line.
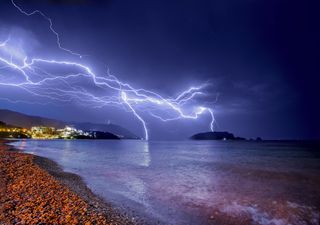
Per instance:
(44,132)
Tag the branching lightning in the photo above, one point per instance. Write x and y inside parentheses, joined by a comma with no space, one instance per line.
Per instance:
(39,77)
(50,27)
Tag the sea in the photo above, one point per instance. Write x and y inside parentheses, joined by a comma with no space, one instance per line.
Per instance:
(196,182)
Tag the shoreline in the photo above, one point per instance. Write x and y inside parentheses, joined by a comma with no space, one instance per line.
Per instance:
(96,210)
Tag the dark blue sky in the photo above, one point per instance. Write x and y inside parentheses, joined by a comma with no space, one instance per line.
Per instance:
(260,56)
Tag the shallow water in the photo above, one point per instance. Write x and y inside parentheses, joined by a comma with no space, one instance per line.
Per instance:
(197,182)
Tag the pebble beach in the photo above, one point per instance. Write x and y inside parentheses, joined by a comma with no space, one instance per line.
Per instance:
(35,190)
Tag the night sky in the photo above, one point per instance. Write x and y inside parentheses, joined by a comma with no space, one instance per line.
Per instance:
(261,58)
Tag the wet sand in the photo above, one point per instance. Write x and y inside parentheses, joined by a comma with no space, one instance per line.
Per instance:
(35,190)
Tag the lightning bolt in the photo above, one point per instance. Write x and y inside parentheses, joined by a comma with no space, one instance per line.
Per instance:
(35,77)
(56,34)
(5,42)
(124,98)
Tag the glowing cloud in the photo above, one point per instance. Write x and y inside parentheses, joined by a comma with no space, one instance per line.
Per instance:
(63,80)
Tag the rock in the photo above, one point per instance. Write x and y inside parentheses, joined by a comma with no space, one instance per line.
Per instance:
(216,136)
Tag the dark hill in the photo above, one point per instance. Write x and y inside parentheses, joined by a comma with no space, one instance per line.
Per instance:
(111,128)
(4,125)
(103,135)
(27,121)
(215,136)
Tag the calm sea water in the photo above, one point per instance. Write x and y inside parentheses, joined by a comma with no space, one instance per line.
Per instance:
(197,182)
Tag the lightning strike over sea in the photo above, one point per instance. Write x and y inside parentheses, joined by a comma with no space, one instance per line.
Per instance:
(110,112)
(46,78)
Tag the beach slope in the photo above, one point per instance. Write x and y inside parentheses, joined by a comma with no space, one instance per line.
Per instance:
(34,190)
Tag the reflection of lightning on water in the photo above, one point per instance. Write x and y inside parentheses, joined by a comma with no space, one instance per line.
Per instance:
(34,76)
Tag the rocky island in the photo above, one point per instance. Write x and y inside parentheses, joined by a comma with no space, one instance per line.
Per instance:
(216,135)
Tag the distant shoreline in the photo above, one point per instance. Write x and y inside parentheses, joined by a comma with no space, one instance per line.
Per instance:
(97,210)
